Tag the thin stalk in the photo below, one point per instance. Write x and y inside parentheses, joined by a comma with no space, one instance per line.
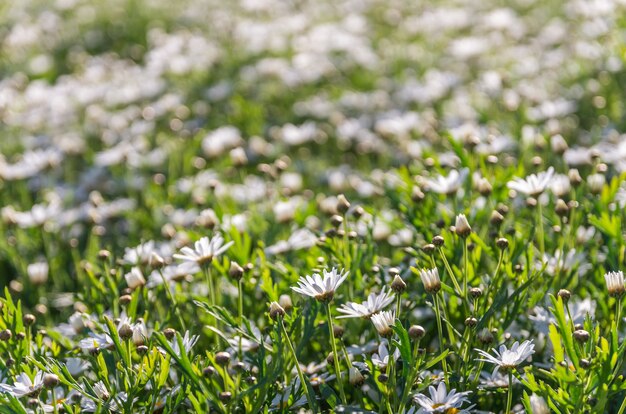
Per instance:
(618,314)
(494,280)
(292,351)
(441,343)
(465,270)
(409,382)
(398,305)
(240,311)
(542,247)
(335,354)
(509,399)
(172,298)
(55,408)
(449,270)
(622,407)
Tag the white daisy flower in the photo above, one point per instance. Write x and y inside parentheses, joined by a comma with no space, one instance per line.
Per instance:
(509,358)
(96,341)
(532,185)
(615,283)
(322,289)
(374,304)
(383,322)
(382,358)
(24,386)
(441,401)
(205,250)
(447,185)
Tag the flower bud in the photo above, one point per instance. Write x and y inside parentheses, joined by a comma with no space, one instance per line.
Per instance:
(502,243)
(50,380)
(496,218)
(235,271)
(471,322)
(29,319)
(356,378)
(416,332)
(475,292)
(222,358)
(342,204)
(5,335)
(398,285)
(564,294)
(438,241)
(429,248)
(285,302)
(581,335)
(125,332)
(276,311)
(561,208)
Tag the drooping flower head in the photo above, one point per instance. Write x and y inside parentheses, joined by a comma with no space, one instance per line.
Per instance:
(383,323)
(430,279)
(321,288)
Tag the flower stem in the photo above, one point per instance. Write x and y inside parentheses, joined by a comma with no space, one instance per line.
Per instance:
(465,270)
(441,343)
(295,359)
(172,298)
(335,354)
(542,247)
(449,270)
(509,399)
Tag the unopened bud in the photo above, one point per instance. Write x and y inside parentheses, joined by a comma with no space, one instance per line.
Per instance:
(416,332)
(235,271)
(276,310)
(581,335)
(564,294)
(222,358)
(502,243)
(50,380)
(398,285)
(342,204)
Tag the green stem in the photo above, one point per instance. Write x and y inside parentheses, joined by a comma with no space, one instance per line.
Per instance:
(622,407)
(54,402)
(172,298)
(335,354)
(449,270)
(441,343)
(465,271)
(240,311)
(411,378)
(542,247)
(305,386)
(494,281)
(509,399)
(398,305)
